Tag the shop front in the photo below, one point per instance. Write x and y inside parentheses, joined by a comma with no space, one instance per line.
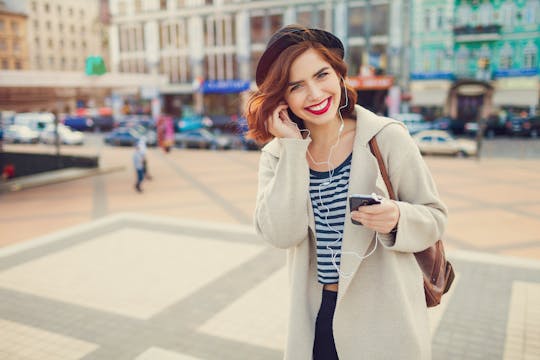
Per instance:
(372,91)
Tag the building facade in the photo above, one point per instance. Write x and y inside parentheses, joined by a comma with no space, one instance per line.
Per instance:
(61,34)
(475,58)
(209,49)
(13,46)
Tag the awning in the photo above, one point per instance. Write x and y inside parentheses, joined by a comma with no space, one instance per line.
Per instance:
(515,97)
(429,92)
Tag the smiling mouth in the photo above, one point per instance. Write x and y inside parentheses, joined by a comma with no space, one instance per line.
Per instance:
(321,107)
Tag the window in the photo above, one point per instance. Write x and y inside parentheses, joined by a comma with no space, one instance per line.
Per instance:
(530,54)
(81,13)
(34,6)
(379,19)
(48,25)
(46,7)
(531,12)
(15,27)
(18,65)
(16,46)
(50,43)
(485,14)
(257,29)
(163,4)
(138,6)
(83,44)
(304,18)
(3,45)
(440,18)
(356,21)
(51,61)
(1,25)
(70,11)
(427,19)
(36,24)
(36,41)
(508,14)
(505,57)
(59,10)
(5,64)
(276,22)
(61,27)
(464,15)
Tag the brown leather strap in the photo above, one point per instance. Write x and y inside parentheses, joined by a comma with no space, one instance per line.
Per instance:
(377,152)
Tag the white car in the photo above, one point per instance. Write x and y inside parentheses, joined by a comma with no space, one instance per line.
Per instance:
(438,142)
(66,135)
(20,134)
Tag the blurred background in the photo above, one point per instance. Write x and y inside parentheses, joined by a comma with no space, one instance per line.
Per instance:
(467,67)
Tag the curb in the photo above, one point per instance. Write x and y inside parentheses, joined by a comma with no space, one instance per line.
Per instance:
(54,177)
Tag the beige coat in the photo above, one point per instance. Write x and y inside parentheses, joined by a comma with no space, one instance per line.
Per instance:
(381,310)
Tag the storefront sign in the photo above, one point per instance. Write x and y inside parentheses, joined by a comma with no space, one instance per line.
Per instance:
(371,83)
(517,83)
(515,73)
(432,76)
(224,86)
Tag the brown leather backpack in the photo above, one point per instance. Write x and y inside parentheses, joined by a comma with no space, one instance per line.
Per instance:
(438,272)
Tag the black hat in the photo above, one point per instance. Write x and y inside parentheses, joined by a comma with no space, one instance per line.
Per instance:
(291,35)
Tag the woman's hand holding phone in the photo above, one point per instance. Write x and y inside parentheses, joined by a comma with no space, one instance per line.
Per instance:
(382,217)
(280,124)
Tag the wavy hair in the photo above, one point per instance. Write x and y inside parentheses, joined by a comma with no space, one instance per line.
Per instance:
(263,101)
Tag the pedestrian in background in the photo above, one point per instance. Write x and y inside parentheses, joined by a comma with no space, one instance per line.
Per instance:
(142,145)
(138,162)
(356,291)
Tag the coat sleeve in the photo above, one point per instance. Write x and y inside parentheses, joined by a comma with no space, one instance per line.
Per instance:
(423,215)
(281,215)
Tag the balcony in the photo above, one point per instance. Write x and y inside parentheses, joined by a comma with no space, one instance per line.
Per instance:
(470,33)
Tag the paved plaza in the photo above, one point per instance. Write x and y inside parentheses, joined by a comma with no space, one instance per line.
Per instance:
(89,269)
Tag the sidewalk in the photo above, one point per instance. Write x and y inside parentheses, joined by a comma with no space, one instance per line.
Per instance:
(140,287)
(54,177)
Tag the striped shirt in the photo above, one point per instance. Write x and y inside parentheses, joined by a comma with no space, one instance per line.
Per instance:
(329,217)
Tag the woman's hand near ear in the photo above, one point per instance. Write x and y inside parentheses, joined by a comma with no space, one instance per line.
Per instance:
(280,124)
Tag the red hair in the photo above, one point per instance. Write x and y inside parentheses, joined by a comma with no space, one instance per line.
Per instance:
(263,101)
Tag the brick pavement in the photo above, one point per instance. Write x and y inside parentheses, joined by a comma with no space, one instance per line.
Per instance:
(138,306)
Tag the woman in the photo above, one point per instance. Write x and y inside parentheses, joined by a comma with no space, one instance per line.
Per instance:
(356,290)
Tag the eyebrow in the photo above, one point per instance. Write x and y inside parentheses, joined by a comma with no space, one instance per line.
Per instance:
(301,81)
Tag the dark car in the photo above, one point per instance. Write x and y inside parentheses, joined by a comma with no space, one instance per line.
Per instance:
(493,126)
(79,123)
(525,126)
(204,139)
(124,136)
(103,122)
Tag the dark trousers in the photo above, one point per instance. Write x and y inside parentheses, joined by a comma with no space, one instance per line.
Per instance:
(324,347)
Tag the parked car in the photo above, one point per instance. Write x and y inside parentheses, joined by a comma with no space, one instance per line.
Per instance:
(20,134)
(79,123)
(65,134)
(33,120)
(438,142)
(493,126)
(527,126)
(414,122)
(124,136)
(204,139)
(191,120)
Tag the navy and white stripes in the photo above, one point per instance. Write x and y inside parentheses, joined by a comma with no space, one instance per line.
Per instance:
(329,199)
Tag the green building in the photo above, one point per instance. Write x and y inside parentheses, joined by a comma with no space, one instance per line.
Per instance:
(475,58)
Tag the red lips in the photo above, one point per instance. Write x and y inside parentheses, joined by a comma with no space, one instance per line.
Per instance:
(321,111)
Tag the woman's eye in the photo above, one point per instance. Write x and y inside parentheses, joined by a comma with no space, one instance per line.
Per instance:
(322,75)
(294,87)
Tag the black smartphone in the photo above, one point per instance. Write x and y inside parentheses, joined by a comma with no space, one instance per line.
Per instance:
(357,200)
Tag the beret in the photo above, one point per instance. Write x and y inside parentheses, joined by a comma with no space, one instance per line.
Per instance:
(291,35)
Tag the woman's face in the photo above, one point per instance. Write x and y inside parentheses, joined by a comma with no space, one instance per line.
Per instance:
(314,90)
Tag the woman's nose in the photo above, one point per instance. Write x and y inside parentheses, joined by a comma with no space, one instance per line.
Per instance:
(314,92)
